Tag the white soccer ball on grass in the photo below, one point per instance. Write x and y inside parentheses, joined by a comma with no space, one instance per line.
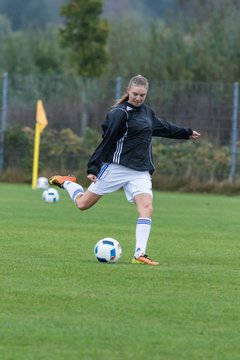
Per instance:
(108,250)
(50,195)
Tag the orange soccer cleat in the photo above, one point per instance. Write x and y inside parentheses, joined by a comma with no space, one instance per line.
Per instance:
(144,260)
(58,180)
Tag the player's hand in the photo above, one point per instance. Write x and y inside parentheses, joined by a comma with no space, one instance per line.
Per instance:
(195,135)
(92,177)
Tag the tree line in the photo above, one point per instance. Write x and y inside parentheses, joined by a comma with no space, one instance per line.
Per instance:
(195,40)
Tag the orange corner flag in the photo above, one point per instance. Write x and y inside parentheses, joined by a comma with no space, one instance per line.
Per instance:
(41,116)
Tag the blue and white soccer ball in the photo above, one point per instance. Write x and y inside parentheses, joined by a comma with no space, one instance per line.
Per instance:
(50,195)
(108,250)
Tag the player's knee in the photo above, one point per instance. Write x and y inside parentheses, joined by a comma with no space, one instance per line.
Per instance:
(146,210)
(86,200)
(82,208)
(149,210)
(81,204)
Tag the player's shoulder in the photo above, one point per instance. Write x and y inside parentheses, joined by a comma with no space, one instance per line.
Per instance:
(119,110)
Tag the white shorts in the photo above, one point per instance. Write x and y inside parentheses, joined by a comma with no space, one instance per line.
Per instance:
(113,177)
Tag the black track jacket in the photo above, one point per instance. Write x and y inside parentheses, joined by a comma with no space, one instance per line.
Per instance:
(127,138)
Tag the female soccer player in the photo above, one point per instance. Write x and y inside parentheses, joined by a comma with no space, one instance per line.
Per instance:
(123,159)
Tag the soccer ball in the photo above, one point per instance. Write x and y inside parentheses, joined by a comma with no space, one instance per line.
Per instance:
(42,183)
(108,250)
(50,195)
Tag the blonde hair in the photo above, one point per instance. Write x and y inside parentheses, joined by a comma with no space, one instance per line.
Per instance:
(137,80)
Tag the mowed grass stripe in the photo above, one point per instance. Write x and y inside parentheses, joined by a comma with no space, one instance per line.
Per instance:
(58,302)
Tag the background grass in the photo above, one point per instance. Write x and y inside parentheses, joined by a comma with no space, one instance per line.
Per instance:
(58,302)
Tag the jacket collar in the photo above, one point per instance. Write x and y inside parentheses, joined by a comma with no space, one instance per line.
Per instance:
(130,107)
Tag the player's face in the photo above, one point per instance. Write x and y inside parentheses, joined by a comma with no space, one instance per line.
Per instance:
(137,95)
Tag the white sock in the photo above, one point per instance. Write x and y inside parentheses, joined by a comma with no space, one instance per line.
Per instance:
(143,229)
(73,189)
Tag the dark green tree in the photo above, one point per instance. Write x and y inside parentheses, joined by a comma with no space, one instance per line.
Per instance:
(85,33)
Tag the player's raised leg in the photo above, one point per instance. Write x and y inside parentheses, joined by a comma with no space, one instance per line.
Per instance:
(86,200)
(83,200)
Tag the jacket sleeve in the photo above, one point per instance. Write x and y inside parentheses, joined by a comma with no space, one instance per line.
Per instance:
(112,128)
(163,128)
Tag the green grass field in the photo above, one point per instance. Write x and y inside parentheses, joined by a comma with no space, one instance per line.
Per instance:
(58,302)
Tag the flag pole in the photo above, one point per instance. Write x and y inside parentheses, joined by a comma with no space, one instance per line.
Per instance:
(36,156)
(41,123)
